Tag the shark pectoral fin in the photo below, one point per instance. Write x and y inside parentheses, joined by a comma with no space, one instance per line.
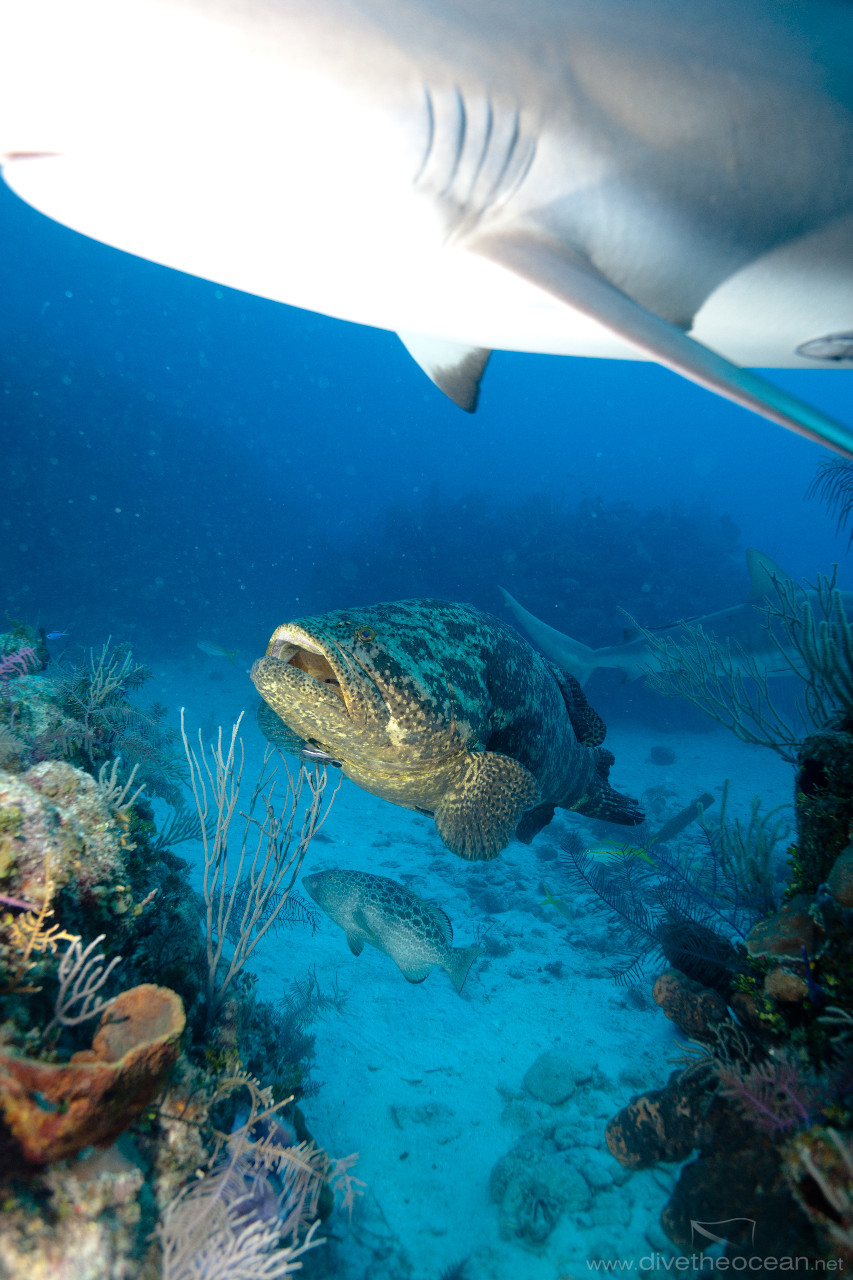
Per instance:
(566,276)
(355,942)
(479,812)
(456,369)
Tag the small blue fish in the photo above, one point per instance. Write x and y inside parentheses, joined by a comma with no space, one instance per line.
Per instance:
(55,635)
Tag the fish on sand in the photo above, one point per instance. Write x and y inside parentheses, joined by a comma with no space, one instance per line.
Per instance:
(440,708)
(416,934)
(741,629)
(638,179)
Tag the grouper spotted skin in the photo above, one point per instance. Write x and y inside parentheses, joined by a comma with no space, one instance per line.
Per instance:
(416,934)
(440,708)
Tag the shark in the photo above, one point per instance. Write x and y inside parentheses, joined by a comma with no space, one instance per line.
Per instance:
(625,179)
(742,629)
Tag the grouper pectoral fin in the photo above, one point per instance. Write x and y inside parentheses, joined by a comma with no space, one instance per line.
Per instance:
(479,812)
(455,368)
(568,276)
(355,942)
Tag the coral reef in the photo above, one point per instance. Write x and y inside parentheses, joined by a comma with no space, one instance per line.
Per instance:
(127,1146)
(54,1110)
(764,1101)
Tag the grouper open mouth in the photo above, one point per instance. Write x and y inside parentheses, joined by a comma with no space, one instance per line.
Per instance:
(300,650)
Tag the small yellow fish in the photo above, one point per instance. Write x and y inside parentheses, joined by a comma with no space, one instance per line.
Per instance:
(217,651)
(551,901)
(602,852)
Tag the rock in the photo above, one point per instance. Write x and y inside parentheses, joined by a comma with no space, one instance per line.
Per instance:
(533,1186)
(54,816)
(85,1223)
(818,1166)
(823,802)
(840,879)
(742,1187)
(596,1166)
(53,1110)
(693,1008)
(784,934)
(551,1079)
(668,1123)
(784,984)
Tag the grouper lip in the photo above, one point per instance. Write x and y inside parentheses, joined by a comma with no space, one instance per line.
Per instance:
(288,642)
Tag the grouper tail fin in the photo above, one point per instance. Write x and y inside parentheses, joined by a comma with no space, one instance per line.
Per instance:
(602,802)
(459,964)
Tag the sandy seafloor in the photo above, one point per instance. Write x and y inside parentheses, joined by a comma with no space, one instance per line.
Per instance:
(427,1086)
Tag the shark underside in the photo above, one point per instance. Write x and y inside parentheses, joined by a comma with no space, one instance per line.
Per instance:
(641,179)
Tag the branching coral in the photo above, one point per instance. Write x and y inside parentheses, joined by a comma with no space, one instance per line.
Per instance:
(814,642)
(684,901)
(269,854)
(254,1212)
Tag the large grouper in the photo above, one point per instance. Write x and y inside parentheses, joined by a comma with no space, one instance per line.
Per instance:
(440,708)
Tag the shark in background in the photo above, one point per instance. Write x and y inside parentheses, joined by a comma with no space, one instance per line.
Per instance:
(743,626)
(634,179)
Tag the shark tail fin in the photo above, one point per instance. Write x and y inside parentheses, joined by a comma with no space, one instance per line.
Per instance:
(570,655)
(459,964)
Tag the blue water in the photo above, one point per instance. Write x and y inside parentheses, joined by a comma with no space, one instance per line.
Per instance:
(183,460)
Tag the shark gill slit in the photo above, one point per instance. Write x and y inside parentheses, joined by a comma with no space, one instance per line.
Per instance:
(484,151)
(458,139)
(430,140)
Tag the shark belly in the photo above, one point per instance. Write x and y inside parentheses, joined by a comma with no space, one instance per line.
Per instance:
(596,180)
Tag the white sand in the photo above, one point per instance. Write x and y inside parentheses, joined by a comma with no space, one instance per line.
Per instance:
(427,1086)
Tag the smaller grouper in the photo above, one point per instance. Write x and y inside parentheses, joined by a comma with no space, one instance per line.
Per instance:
(416,934)
(440,708)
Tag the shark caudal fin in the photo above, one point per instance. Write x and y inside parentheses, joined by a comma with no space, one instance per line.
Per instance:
(459,964)
(578,659)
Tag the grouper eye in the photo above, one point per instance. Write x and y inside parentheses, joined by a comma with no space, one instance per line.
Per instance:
(364,633)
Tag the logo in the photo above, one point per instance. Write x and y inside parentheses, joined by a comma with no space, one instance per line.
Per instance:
(701,1233)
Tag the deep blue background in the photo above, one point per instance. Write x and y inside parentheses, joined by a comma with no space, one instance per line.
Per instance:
(183,462)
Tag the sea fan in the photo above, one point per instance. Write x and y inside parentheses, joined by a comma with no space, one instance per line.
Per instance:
(240,1222)
(680,902)
(833,486)
(774,1095)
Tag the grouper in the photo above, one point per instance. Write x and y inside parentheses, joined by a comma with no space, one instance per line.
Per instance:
(443,709)
(416,934)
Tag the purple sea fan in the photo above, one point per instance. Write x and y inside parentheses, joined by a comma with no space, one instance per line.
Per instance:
(772,1095)
(18,663)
